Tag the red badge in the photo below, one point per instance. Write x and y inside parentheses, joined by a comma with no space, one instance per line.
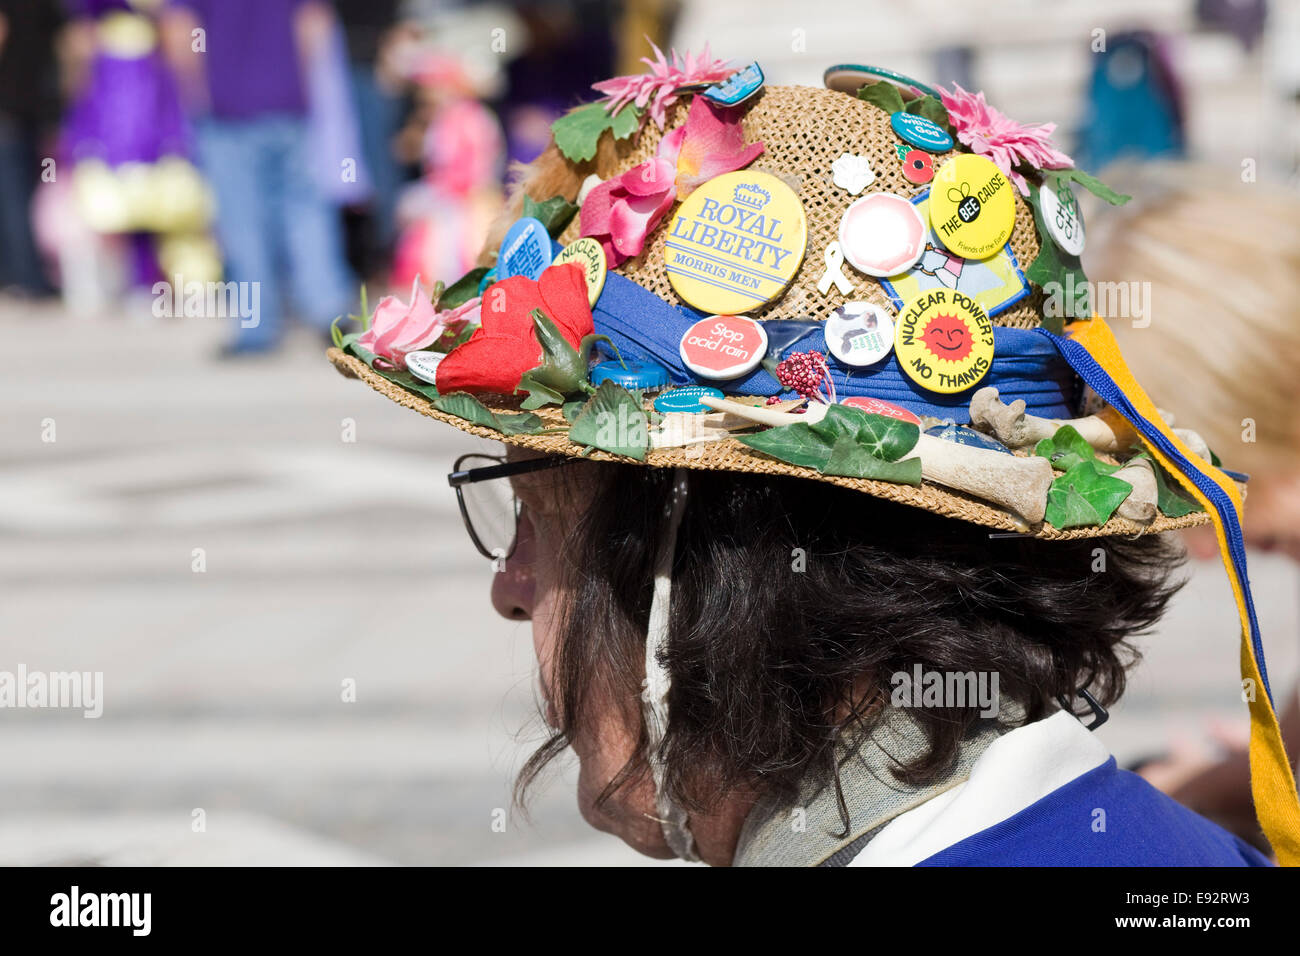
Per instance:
(723,347)
(918,166)
(876,407)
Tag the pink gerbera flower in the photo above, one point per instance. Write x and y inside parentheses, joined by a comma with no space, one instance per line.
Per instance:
(1006,142)
(659,87)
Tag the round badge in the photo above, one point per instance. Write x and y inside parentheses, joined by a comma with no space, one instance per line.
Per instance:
(944,340)
(882,235)
(918,166)
(525,251)
(972,206)
(424,365)
(631,374)
(1062,216)
(859,333)
(736,242)
(851,77)
(920,132)
(588,254)
(686,399)
(723,347)
(877,407)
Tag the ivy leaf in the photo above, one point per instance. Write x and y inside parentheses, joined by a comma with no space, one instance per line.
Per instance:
(463,289)
(410,383)
(882,95)
(797,444)
(1093,185)
(852,460)
(1085,496)
(888,439)
(932,109)
(613,421)
(849,442)
(1170,498)
(555,213)
(571,409)
(1057,273)
(1067,448)
(577,133)
(466,406)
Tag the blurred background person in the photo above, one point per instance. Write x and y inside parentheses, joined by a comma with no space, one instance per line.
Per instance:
(133,186)
(243,67)
(29,108)
(446,215)
(1222,258)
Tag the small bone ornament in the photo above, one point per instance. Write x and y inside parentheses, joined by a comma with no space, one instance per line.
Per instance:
(1017,484)
(1140,505)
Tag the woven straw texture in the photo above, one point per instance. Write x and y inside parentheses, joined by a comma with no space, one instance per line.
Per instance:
(730,455)
(804,130)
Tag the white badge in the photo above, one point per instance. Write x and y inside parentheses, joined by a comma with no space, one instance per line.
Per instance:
(860,333)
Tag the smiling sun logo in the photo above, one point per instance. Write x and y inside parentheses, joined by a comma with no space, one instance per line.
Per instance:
(947,337)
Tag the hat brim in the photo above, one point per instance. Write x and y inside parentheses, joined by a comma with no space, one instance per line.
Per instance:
(727,454)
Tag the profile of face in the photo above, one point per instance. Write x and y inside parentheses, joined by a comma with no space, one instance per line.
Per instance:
(530,589)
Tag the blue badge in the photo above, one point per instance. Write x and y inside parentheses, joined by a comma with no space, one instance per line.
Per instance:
(525,251)
(738,87)
(920,132)
(962,435)
(686,399)
(642,375)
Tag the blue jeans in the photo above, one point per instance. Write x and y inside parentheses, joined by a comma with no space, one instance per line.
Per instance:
(273,221)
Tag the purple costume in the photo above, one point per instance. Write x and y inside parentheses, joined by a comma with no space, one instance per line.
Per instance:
(129,110)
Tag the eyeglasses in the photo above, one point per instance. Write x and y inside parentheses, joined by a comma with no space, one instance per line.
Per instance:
(489,505)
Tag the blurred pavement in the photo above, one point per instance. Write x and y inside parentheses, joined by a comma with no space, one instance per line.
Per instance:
(326,560)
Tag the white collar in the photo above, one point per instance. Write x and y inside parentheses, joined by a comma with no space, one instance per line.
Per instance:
(1016,770)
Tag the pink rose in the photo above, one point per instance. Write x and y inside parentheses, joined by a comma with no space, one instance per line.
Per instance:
(398,327)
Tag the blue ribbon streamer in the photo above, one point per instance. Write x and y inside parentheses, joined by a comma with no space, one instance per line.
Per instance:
(1093,374)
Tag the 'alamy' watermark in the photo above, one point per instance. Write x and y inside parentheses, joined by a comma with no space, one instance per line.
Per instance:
(922,688)
(1082,299)
(209,300)
(75,908)
(55,690)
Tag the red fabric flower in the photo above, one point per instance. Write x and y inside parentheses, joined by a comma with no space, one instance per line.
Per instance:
(505,345)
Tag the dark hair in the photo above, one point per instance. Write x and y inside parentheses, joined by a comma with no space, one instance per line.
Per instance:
(771,664)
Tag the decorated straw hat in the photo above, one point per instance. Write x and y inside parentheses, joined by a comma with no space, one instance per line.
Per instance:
(873,284)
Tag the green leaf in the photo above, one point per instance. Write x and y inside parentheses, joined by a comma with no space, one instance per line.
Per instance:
(848,441)
(409,382)
(883,95)
(1085,496)
(463,289)
(466,406)
(577,133)
(571,409)
(1059,274)
(563,370)
(852,460)
(1093,185)
(1170,498)
(349,345)
(797,444)
(1067,448)
(613,421)
(932,109)
(555,213)
(883,437)
(336,333)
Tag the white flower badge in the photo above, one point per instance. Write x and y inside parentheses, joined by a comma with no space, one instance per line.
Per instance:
(852,173)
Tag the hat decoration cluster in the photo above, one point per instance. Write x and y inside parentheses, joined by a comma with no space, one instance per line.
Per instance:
(865,316)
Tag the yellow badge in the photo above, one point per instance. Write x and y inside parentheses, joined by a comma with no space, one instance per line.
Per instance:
(587,253)
(972,206)
(736,242)
(944,341)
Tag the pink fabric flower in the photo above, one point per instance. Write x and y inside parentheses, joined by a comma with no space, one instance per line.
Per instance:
(1006,142)
(659,87)
(622,211)
(398,327)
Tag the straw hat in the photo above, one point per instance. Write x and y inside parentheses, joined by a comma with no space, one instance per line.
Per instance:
(804,131)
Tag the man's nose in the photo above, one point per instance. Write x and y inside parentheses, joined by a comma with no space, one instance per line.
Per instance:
(513,590)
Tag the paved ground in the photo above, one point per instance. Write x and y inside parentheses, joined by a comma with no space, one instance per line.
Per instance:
(326,561)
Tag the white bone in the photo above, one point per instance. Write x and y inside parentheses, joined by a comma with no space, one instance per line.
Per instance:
(1140,505)
(1105,431)
(1017,484)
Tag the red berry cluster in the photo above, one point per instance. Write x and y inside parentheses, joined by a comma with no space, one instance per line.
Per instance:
(804,372)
